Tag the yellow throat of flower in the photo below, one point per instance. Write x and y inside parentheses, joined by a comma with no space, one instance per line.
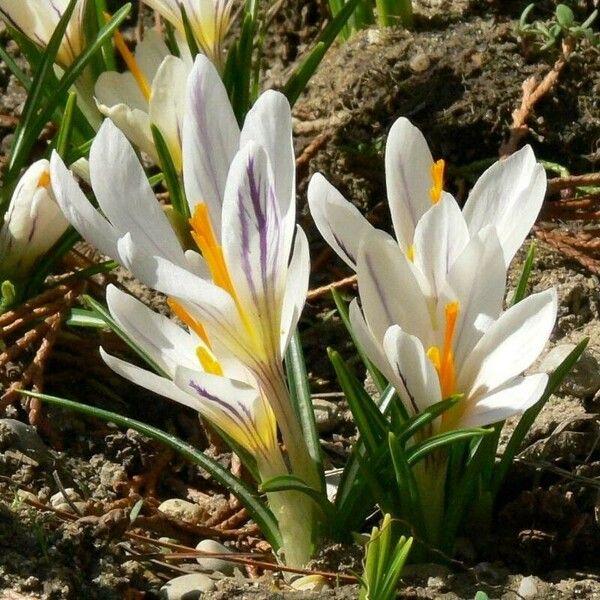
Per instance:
(437,176)
(44,180)
(131,63)
(443,358)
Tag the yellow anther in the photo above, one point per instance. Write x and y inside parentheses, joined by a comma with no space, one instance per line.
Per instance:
(132,64)
(410,253)
(44,180)
(437,176)
(208,361)
(185,316)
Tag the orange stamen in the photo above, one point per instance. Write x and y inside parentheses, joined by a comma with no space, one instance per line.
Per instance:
(185,316)
(212,252)
(437,175)
(443,360)
(44,180)
(131,63)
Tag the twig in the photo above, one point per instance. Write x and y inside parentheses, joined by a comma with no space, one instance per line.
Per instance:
(321,291)
(533,92)
(572,181)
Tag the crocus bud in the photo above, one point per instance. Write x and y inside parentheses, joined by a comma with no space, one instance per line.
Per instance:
(32,224)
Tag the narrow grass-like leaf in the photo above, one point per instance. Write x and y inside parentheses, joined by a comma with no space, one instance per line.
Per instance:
(301,398)
(108,51)
(521,288)
(189,32)
(529,416)
(258,511)
(371,424)
(378,379)
(35,97)
(63,137)
(172,179)
(21,76)
(305,70)
(80,317)
(426,417)
(420,451)
(395,568)
(41,113)
(283,483)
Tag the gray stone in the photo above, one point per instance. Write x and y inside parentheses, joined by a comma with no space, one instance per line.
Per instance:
(584,379)
(182,510)
(112,474)
(327,415)
(58,499)
(26,439)
(212,563)
(187,587)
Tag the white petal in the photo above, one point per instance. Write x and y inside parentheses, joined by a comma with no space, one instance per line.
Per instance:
(339,221)
(389,292)
(167,344)
(508,195)
(440,236)
(167,104)
(150,53)
(269,123)
(478,281)
(79,212)
(513,398)
(210,139)
(125,196)
(296,288)
(119,88)
(421,385)
(253,243)
(149,380)
(510,345)
(408,163)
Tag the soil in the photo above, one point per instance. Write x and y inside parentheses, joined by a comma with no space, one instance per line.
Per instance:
(458,77)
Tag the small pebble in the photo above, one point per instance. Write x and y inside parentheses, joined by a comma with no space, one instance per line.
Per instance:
(58,499)
(215,564)
(310,583)
(327,415)
(528,587)
(182,510)
(26,439)
(419,62)
(111,474)
(187,587)
(25,495)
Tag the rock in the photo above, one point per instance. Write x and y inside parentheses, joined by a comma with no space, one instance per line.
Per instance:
(215,564)
(528,587)
(310,583)
(111,474)
(25,495)
(66,507)
(584,379)
(182,510)
(187,587)
(419,62)
(26,439)
(327,415)
(58,499)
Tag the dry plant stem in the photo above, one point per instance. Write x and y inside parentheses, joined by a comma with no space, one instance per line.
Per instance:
(567,244)
(533,92)
(572,181)
(326,289)
(310,150)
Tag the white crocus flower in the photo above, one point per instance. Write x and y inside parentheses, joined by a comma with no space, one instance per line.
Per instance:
(32,223)
(508,195)
(463,344)
(221,389)
(37,20)
(209,21)
(150,92)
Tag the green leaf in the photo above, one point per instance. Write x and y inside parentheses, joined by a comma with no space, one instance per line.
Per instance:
(248,497)
(564,16)
(425,417)
(80,317)
(378,379)
(63,137)
(371,424)
(189,32)
(436,442)
(172,180)
(524,278)
(301,398)
(283,483)
(530,415)
(305,70)
(44,73)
